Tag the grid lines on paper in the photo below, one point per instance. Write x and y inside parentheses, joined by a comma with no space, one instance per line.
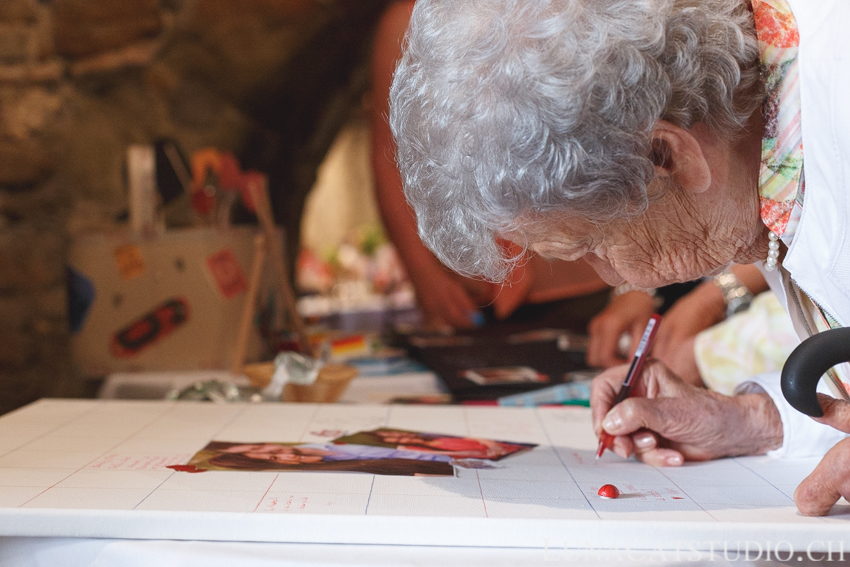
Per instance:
(112,455)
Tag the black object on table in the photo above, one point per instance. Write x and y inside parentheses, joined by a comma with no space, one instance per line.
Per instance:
(553,353)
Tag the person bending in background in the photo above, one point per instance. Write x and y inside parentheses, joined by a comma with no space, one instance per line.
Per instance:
(560,294)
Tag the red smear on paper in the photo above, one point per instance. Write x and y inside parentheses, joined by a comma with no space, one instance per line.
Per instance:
(185,468)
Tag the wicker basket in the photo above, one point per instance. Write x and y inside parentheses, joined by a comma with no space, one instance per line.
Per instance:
(329,386)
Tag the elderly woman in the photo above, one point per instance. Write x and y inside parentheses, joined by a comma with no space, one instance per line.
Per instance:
(661,141)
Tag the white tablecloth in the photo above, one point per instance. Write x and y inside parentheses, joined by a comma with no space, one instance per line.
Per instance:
(70,552)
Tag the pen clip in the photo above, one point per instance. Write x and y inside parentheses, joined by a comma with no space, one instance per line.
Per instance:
(647,333)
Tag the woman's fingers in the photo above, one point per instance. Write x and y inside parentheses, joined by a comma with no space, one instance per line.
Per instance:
(661,457)
(836,413)
(604,334)
(827,483)
(696,423)
(603,392)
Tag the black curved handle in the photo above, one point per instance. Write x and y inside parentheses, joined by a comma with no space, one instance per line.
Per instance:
(808,362)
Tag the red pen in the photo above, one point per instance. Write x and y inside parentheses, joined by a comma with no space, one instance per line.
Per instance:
(642,352)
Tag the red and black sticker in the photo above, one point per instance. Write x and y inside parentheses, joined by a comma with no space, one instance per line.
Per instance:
(150,328)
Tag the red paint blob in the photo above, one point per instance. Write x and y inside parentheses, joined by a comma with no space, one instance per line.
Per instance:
(609,491)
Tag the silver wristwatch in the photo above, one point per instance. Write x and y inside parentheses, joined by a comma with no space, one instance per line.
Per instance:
(735,294)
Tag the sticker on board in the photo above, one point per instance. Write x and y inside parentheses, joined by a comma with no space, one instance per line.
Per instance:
(130,262)
(227,273)
(150,328)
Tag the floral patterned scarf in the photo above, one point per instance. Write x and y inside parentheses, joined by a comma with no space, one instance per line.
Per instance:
(781,181)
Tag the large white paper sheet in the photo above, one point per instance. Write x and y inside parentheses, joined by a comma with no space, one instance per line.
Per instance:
(98,469)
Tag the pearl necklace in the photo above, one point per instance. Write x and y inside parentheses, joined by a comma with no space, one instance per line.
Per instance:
(773,253)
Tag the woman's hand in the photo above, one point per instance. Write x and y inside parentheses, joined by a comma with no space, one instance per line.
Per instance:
(694,312)
(444,302)
(690,315)
(627,313)
(667,421)
(674,344)
(449,300)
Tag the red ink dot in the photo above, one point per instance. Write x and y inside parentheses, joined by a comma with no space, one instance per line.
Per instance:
(609,491)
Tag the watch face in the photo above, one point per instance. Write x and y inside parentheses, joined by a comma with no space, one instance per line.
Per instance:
(735,294)
(737,305)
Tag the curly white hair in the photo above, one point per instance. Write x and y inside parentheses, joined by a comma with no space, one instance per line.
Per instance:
(507,108)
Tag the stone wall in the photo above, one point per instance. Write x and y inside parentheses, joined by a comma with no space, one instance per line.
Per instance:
(270,80)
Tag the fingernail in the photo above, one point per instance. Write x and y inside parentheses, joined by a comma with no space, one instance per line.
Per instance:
(645,440)
(673,461)
(612,423)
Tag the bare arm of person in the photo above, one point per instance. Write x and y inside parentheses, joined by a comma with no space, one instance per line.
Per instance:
(445,298)
(698,310)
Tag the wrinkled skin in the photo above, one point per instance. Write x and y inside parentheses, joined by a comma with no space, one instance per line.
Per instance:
(667,421)
(708,219)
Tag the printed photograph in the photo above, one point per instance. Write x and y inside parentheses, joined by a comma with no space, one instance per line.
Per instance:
(504,375)
(435,444)
(271,456)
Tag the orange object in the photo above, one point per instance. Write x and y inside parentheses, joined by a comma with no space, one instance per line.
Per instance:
(354,344)
(130,262)
(203,161)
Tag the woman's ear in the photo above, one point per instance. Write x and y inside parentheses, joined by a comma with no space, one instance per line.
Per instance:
(677,153)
